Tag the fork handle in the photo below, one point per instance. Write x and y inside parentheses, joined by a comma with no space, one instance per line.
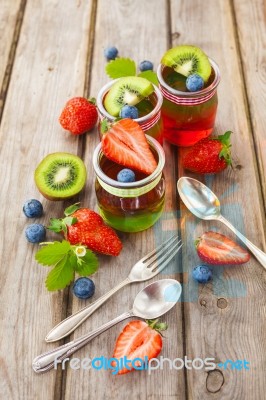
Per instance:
(50,359)
(68,325)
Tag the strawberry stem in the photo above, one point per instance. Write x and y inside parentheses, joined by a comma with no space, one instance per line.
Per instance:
(156,325)
(226,147)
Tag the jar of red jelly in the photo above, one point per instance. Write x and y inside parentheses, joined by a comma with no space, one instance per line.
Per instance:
(150,113)
(188,116)
(134,206)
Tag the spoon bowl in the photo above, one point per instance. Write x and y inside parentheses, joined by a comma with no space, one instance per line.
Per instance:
(157,299)
(198,198)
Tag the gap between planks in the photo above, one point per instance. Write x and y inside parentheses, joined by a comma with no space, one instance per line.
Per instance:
(11,56)
(59,393)
(257,163)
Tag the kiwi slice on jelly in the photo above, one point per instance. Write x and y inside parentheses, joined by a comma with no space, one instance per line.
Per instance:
(60,176)
(129,90)
(187,60)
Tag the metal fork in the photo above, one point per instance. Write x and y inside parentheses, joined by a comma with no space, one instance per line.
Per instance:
(145,269)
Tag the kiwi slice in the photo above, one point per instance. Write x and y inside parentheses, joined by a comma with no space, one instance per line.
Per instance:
(187,60)
(129,90)
(60,176)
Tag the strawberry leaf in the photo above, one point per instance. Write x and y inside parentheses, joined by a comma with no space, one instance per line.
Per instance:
(60,276)
(52,253)
(150,76)
(66,261)
(104,126)
(120,67)
(56,225)
(87,265)
(92,100)
(71,209)
(226,149)
(70,221)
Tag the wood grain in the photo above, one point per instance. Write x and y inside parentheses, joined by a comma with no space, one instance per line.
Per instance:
(224,319)
(11,15)
(251,34)
(49,68)
(133,33)
(58,53)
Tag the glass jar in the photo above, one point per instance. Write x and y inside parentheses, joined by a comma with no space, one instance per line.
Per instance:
(151,123)
(188,116)
(134,206)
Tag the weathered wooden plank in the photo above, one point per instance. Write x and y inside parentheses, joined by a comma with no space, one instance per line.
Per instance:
(133,27)
(11,14)
(49,68)
(224,319)
(251,24)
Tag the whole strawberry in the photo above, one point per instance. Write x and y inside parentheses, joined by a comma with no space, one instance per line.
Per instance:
(86,227)
(79,115)
(210,155)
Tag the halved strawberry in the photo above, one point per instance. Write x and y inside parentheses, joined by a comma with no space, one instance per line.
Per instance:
(215,248)
(139,339)
(125,143)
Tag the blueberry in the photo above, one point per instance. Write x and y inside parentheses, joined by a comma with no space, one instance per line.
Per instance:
(110,53)
(146,66)
(194,83)
(129,112)
(126,175)
(35,233)
(83,288)
(202,273)
(33,208)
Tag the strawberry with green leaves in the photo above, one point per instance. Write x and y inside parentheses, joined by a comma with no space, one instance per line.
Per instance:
(86,227)
(139,339)
(209,155)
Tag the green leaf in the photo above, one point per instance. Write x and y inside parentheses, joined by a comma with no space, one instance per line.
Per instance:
(225,138)
(71,209)
(104,126)
(60,276)
(70,221)
(87,265)
(56,225)
(120,67)
(150,76)
(52,253)
(226,149)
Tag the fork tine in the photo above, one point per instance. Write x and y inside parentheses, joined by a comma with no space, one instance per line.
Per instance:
(160,259)
(158,249)
(158,254)
(171,253)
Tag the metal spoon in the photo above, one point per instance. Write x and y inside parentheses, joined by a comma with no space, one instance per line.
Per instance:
(145,269)
(203,203)
(151,302)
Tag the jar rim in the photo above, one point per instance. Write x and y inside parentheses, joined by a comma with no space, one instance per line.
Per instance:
(199,93)
(110,117)
(130,185)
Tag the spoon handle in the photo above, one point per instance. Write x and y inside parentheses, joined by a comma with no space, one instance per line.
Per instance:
(259,254)
(51,359)
(69,324)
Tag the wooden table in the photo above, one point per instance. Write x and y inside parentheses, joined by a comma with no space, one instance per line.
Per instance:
(53,50)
